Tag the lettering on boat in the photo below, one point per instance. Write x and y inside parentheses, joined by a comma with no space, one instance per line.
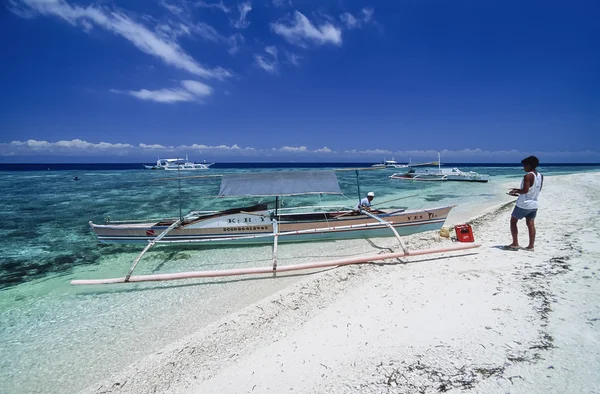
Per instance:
(415,217)
(248,228)
(247,220)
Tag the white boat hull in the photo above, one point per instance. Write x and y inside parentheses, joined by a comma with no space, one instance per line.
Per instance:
(258,227)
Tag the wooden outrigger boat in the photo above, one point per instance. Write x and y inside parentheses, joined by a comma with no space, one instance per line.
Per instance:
(258,224)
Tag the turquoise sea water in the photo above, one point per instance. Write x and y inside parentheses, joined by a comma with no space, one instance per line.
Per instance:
(50,330)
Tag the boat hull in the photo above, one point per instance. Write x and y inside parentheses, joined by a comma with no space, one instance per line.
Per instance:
(244,228)
(440,178)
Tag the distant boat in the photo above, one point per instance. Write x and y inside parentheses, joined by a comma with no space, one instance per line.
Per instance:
(178,164)
(442,174)
(390,164)
(394,164)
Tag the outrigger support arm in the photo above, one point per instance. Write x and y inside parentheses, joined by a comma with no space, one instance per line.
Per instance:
(380,220)
(275,240)
(151,244)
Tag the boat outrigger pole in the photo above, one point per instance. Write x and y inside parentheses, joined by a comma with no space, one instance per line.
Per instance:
(267,270)
(151,244)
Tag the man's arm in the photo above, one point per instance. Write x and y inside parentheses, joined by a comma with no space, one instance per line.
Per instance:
(527,183)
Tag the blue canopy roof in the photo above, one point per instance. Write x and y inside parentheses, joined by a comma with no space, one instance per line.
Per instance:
(279,183)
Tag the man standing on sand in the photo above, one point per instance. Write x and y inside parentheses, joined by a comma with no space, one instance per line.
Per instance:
(527,202)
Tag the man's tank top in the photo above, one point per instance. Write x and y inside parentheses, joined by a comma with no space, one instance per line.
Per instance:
(529,200)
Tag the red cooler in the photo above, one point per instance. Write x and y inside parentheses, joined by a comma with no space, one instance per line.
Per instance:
(464,233)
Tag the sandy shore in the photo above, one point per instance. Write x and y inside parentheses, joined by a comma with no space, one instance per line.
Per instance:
(486,321)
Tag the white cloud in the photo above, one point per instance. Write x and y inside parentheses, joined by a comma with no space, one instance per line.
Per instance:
(208,147)
(292,58)
(197,88)
(207,32)
(122,25)
(365,16)
(369,152)
(292,149)
(218,6)
(301,31)
(269,65)
(160,95)
(241,22)
(281,3)
(350,21)
(153,146)
(78,147)
(190,91)
(235,41)
(271,50)
(61,145)
(172,8)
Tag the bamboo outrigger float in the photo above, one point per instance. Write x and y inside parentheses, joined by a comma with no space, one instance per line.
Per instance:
(259,225)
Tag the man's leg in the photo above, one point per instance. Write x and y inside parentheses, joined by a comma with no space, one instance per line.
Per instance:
(531,228)
(514,231)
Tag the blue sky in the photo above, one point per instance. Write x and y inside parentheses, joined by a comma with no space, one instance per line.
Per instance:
(281,80)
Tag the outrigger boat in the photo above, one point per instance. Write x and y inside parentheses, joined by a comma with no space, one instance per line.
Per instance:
(258,224)
(442,174)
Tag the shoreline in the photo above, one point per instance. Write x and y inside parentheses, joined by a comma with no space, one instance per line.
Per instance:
(243,350)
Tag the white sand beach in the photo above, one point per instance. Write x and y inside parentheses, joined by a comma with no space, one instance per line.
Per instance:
(486,320)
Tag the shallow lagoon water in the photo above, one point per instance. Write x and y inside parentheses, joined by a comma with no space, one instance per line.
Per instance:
(58,338)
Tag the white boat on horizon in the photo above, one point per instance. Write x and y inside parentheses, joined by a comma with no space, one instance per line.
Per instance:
(442,174)
(178,164)
(390,164)
(394,164)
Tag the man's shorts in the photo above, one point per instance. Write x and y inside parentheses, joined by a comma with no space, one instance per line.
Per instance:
(521,213)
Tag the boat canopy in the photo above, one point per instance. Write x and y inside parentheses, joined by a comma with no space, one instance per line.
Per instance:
(279,183)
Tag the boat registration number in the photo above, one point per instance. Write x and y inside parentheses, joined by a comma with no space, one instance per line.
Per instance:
(245,228)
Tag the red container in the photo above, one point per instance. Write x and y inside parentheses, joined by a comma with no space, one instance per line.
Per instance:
(464,233)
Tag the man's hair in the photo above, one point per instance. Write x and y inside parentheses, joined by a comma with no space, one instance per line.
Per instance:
(531,161)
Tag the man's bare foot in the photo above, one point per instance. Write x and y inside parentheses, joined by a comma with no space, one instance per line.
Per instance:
(529,249)
(512,247)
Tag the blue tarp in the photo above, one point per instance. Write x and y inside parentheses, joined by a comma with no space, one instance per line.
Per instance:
(279,183)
